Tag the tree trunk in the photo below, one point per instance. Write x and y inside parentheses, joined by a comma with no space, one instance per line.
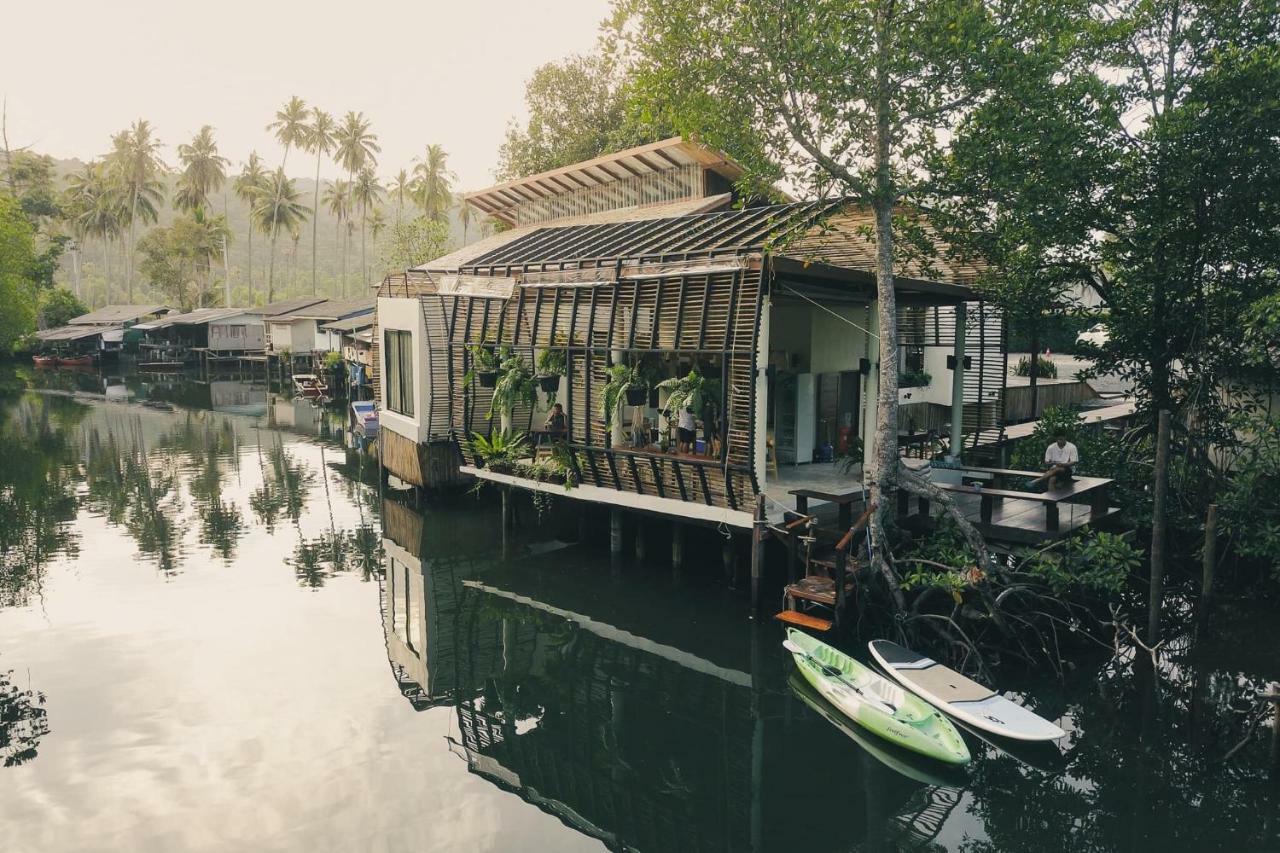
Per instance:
(133,218)
(226,271)
(1158,524)
(250,247)
(271,269)
(1035,368)
(364,263)
(315,223)
(884,463)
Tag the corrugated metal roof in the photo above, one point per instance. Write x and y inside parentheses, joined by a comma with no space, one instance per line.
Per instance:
(112,314)
(349,324)
(284,306)
(329,309)
(192,318)
(70,333)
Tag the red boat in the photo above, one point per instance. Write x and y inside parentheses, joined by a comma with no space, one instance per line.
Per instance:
(76,361)
(44,360)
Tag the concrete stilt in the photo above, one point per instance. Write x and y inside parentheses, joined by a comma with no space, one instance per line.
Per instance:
(615,531)
(757,553)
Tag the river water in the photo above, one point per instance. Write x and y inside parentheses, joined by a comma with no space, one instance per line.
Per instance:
(218,633)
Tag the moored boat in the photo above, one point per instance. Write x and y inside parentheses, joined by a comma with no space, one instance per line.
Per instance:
(366,416)
(44,360)
(875,703)
(75,361)
(309,385)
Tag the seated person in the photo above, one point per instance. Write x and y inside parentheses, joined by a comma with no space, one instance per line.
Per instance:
(1060,459)
(556,422)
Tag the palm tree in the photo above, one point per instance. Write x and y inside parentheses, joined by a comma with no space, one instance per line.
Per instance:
(279,208)
(337,199)
(377,224)
(90,207)
(204,171)
(290,128)
(209,241)
(465,215)
(249,185)
(400,185)
(136,164)
(366,192)
(319,141)
(356,148)
(433,183)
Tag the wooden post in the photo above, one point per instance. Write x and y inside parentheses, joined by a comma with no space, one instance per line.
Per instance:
(677,546)
(1158,529)
(615,531)
(757,552)
(1210,560)
(639,540)
(1273,696)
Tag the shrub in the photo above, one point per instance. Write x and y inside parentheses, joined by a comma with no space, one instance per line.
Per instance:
(914,379)
(1045,369)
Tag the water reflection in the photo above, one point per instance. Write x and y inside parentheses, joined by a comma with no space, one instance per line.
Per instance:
(650,724)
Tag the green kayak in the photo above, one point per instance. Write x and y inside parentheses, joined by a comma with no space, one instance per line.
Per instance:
(877,704)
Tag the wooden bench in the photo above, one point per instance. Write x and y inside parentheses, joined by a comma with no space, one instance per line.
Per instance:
(844,502)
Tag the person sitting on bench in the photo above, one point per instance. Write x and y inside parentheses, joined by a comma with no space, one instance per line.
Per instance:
(1060,459)
(557,424)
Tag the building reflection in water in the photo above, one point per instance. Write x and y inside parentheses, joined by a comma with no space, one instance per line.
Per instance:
(602,700)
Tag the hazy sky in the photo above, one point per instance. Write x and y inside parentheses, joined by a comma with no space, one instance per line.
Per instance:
(426,71)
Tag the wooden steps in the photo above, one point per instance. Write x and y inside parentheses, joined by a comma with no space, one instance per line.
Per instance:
(817,589)
(804,620)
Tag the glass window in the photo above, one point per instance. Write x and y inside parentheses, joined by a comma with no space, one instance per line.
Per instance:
(398,358)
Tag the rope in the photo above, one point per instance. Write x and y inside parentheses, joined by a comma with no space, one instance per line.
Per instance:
(828,310)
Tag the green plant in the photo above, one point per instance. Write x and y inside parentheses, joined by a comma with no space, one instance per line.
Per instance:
(622,378)
(332,360)
(688,391)
(500,452)
(483,360)
(1045,369)
(914,379)
(515,384)
(551,362)
(1097,561)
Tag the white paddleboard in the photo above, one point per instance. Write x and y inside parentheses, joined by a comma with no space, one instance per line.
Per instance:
(962,698)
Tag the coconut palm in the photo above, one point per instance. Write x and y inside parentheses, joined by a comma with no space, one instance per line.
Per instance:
(290,128)
(208,236)
(279,208)
(466,215)
(136,166)
(249,186)
(337,199)
(204,171)
(433,183)
(318,141)
(366,192)
(92,205)
(377,224)
(401,185)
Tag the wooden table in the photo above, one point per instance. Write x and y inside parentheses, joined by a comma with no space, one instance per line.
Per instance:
(843,500)
(1094,487)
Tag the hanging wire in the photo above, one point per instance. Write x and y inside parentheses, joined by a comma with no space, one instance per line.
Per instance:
(829,311)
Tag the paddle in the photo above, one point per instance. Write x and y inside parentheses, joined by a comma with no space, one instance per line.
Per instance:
(835,674)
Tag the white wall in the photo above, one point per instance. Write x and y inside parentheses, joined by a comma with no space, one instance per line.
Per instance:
(281,337)
(405,314)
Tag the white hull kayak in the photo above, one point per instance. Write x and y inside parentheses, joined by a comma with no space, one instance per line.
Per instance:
(962,698)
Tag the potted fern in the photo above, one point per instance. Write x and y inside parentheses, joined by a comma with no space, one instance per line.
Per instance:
(514,385)
(551,366)
(500,452)
(625,383)
(484,365)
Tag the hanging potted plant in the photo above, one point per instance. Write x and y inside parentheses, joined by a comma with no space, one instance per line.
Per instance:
(625,383)
(514,385)
(551,366)
(684,392)
(484,366)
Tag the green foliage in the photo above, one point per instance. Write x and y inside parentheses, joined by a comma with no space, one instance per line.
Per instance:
(551,362)
(621,378)
(1097,456)
(1095,561)
(18,294)
(578,108)
(914,379)
(499,451)
(414,242)
(1250,497)
(57,306)
(1045,369)
(515,384)
(484,359)
(333,360)
(686,391)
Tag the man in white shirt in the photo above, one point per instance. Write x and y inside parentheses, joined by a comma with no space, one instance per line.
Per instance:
(1060,459)
(685,427)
